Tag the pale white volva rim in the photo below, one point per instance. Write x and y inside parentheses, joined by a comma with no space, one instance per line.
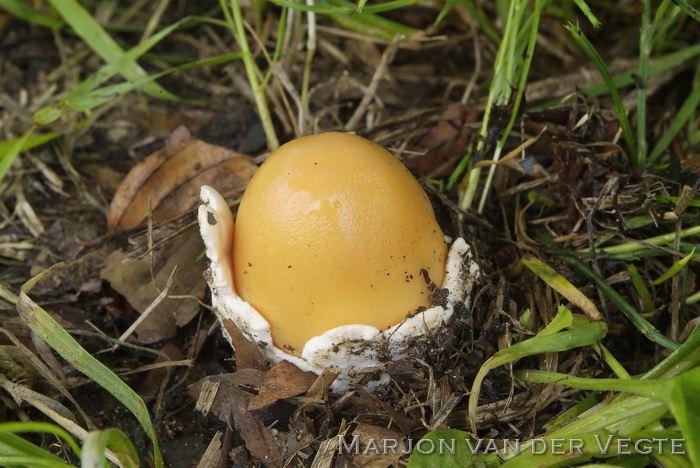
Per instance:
(352,348)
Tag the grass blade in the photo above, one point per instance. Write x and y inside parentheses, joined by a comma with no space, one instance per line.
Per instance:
(679,393)
(12,151)
(693,298)
(345,13)
(46,428)
(687,113)
(459,455)
(684,401)
(344,7)
(369,23)
(499,94)
(686,357)
(531,27)
(563,287)
(474,13)
(87,95)
(645,243)
(641,288)
(675,268)
(691,10)
(586,10)
(643,73)
(16,451)
(22,10)
(656,66)
(98,441)
(64,344)
(642,324)
(550,343)
(234,18)
(588,48)
(89,99)
(29,143)
(94,35)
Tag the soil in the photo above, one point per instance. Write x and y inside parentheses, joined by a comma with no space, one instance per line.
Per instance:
(574,185)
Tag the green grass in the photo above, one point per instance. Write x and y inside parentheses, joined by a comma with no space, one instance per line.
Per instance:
(635,414)
(588,48)
(48,330)
(653,34)
(234,19)
(511,66)
(26,11)
(551,339)
(9,150)
(98,447)
(94,35)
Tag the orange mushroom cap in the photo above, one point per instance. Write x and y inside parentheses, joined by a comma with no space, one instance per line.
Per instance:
(333,230)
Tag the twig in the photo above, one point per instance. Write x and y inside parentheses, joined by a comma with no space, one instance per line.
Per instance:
(387,58)
(150,308)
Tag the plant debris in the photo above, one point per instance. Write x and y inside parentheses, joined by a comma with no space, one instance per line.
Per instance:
(173,271)
(166,183)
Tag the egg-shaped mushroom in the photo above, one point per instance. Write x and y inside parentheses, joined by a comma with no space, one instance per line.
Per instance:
(335,257)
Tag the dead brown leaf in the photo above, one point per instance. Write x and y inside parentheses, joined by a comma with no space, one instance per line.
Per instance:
(379,446)
(284,380)
(134,281)
(248,356)
(170,178)
(444,144)
(259,441)
(692,164)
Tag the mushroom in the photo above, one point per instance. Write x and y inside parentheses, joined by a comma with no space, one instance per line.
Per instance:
(335,259)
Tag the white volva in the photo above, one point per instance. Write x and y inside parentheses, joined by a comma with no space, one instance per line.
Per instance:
(358,350)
